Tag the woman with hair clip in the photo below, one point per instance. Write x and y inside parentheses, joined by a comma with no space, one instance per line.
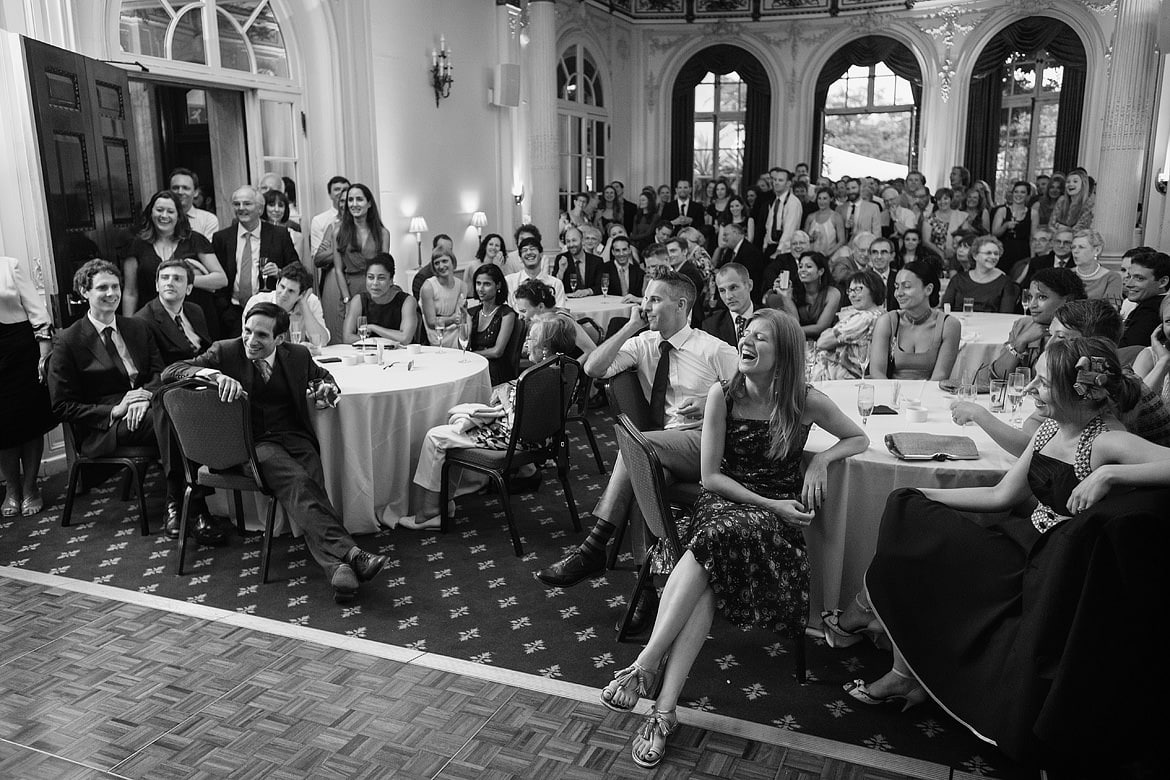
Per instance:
(743,551)
(956,593)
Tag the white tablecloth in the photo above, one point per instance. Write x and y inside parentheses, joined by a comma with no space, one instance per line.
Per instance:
(843,536)
(601,308)
(984,335)
(370,442)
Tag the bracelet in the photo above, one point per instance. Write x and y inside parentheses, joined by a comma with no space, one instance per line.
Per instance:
(1012,349)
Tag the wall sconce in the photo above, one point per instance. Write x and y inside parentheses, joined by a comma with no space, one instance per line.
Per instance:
(1161,181)
(479,222)
(518,193)
(418,226)
(441,68)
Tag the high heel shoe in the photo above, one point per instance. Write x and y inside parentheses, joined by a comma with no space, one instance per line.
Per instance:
(634,679)
(651,737)
(32,505)
(858,690)
(835,636)
(11,507)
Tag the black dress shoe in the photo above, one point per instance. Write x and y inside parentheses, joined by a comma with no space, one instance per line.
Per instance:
(524,484)
(365,565)
(205,531)
(571,569)
(644,613)
(345,584)
(172,524)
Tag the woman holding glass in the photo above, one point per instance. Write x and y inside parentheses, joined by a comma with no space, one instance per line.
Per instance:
(441,300)
(944,223)
(491,323)
(351,243)
(989,287)
(918,341)
(384,309)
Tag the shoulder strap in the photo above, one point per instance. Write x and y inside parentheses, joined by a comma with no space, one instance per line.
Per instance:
(1047,430)
(1081,460)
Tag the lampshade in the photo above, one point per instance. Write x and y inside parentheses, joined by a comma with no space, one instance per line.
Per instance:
(418,225)
(479,220)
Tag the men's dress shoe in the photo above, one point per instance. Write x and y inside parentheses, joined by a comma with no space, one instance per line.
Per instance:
(365,565)
(571,569)
(644,613)
(524,484)
(206,532)
(345,584)
(172,524)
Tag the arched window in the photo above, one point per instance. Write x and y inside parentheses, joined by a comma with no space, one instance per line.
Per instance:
(245,35)
(720,103)
(582,124)
(868,97)
(1031,107)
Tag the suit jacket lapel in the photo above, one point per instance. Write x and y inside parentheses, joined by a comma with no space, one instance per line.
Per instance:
(94,342)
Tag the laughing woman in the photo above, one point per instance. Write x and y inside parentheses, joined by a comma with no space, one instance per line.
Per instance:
(746,534)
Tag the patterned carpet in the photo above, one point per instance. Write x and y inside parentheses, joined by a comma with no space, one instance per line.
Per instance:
(466,595)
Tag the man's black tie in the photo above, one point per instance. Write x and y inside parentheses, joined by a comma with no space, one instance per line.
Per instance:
(179,322)
(740,326)
(112,351)
(661,382)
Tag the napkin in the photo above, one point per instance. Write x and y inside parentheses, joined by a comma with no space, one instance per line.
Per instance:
(930,446)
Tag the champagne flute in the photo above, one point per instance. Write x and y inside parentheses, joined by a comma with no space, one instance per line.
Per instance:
(464,334)
(363,328)
(604,285)
(295,336)
(1017,381)
(865,401)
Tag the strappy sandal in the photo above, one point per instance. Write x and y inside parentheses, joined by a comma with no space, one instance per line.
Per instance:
(32,505)
(11,506)
(634,679)
(838,637)
(860,691)
(650,741)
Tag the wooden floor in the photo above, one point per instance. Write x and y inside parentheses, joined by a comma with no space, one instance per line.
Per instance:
(97,682)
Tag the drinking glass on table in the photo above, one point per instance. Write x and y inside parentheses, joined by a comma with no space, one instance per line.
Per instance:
(295,336)
(1017,381)
(864,401)
(604,285)
(968,307)
(363,329)
(997,400)
(966,393)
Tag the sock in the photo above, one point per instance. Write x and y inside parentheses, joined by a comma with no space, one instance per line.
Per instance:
(599,536)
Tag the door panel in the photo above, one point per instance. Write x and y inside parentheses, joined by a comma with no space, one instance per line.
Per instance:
(87,159)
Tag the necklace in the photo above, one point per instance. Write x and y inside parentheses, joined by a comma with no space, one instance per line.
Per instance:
(917,320)
(486,312)
(1090,275)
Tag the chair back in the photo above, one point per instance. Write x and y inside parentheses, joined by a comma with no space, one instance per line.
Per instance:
(626,397)
(648,482)
(542,395)
(212,433)
(580,392)
(512,352)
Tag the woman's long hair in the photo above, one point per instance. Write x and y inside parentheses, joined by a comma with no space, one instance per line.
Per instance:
(1086,374)
(148,232)
(347,237)
(788,381)
(1069,208)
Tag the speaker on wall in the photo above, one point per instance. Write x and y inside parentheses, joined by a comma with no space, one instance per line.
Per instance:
(506,85)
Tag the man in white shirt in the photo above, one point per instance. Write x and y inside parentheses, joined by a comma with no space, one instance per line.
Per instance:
(320,223)
(530,257)
(784,216)
(184,183)
(294,293)
(676,366)
(896,217)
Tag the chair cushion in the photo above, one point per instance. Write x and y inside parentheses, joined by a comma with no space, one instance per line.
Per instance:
(493,459)
(238,478)
(132,453)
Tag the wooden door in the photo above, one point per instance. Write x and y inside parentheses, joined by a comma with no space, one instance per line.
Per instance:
(88,159)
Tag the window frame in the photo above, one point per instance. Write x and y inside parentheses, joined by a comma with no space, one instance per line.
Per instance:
(1034,100)
(582,162)
(718,117)
(870,108)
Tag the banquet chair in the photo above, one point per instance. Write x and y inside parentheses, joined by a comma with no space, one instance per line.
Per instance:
(515,349)
(218,452)
(578,406)
(135,460)
(649,483)
(1127,355)
(538,435)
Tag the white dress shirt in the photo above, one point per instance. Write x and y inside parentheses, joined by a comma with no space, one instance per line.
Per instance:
(307,316)
(119,342)
(203,222)
(518,278)
(318,226)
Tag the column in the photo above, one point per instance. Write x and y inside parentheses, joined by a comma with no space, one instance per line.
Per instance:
(1132,77)
(541,71)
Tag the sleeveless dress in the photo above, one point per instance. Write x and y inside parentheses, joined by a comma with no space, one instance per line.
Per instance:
(446,301)
(950,589)
(386,315)
(353,264)
(500,369)
(823,235)
(914,365)
(1015,240)
(755,563)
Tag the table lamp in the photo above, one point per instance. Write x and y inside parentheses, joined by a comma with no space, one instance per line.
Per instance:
(418,226)
(479,222)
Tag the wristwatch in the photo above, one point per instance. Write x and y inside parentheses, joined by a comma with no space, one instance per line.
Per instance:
(1012,349)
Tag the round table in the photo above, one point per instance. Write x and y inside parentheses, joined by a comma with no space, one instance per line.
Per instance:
(370,443)
(600,308)
(843,537)
(984,335)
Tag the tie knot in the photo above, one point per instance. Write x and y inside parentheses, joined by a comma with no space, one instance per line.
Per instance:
(664,347)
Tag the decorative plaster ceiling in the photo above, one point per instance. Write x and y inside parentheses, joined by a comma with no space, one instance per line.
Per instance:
(699,10)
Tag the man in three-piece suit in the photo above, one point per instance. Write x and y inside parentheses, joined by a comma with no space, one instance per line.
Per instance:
(241,249)
(683,210)
(625,278)
(103,374)
(745,253)
(278,379)
(179,328)
(734,283)
(586,267)
(860,215)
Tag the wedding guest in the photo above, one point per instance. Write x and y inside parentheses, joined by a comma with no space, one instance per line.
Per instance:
(276,212)
(358,237)
(990,288)
(1146,283)
(1100,282)
(179,328)
(1074,209)
(1044,205)
(843,350)
(918,341)
(441,301)
(942,225)
(1012,224)
(813,300)
(1153,363)
(491,323)
(1049,289)
(390,312)
(535,300)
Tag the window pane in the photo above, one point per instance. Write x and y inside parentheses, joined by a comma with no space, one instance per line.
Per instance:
(884,139)
(883,91)
(598,97)
(730,134)
(705,97)
(587,92)
(703,164)
(575,134)
(1021,124)
(276,124)
(1047,119)
(143,28)
(704,135)
(881,69)
(1053,77)
(729,98)
(836,95)
(233,50)
(1044,153)
(268,44)
(587,150)
(903,92)
(1024,78)
(858,94)
(187,45)
(599,136)
(196,107)
(730,162)
(858,72)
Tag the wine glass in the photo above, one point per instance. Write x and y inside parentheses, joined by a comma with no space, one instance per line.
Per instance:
(363,329)
(604,285)
(464,333)
(1017,381)
(295,336)
(865,401)
(572,282)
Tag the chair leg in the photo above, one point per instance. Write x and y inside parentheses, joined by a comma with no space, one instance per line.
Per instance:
(444,491)
(563,474)
(592,444)
(183,527)
(70,494)
(266,542)
(126,483)
(798,657)
(238,506)
(138,474)
(615,547)
(506,499)
(643,578)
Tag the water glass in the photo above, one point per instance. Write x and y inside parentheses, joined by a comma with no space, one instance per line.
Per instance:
(865,401)
(295,336)
(968,307)
(363,328)
(604,285)
(966,393)
(997,401)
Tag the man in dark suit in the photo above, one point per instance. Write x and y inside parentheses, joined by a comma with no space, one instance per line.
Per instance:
(1041,257)
(745,253)
(683,210)
(735,290)
(179,328)
(103,374)
(629,210)
(1145,285)
(881,253)
(251,253)
(277,378)
(678,251)
(625,278)
(583,266)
